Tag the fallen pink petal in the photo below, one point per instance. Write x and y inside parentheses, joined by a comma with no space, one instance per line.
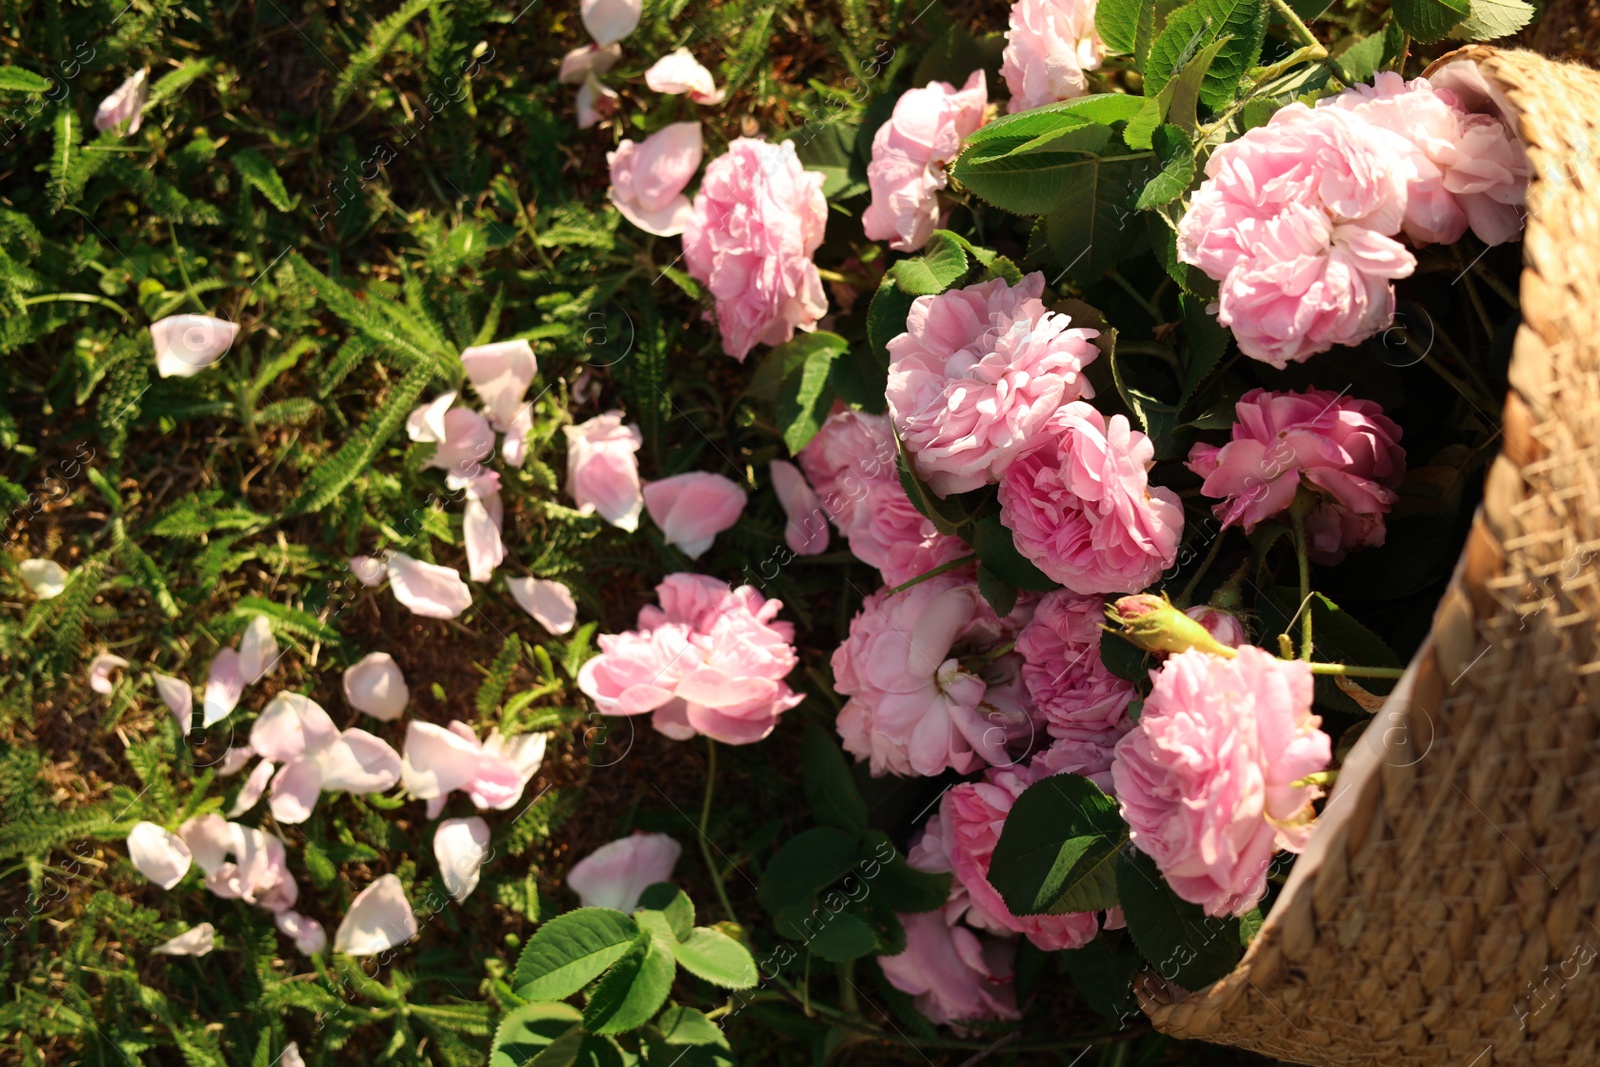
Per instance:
(549,602)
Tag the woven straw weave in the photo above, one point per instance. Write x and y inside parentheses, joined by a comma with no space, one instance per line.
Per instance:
(1448,908)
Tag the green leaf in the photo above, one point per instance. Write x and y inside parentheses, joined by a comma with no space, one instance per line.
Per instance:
(1489,20)
(805,397)
(941,265)
(176,81)
(998,550)
(1031,130)
(1429,20)
(886,318)
(843,937)
(1196,26)
(257,170)
(1057,850)
(1090,232)
(948,514)
(682,1025)
(1177,938)
(532,1029)
(1177,172)
(806,863)
(1102,971)
(17,80)
(1205,340)
(329,478)
(1033,183)
(633,990)
(1001,594)
(569,951)
(829,786)
(674,906)
(899,885)
(1117,22)
(860,380)
(719,959)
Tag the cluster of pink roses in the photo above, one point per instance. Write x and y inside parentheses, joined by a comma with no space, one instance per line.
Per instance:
(1299,219)
(709,660)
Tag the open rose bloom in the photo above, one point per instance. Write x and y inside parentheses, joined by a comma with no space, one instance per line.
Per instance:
(1344,450)
(1207,779)
(757,220)
(710,660)
(977,374)
(909,154)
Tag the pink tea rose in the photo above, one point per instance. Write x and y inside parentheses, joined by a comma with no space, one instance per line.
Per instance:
(971,818)
(609,21)
(691,509)
(648,179)
(909,154)
(952,973)
(121,111)
(806,525)
(757,221)
(913,708)
(851,464)
(1049,46)
(1079,700)
(603,469)
(710,660)
(1470,169)
(1344,450)
(1206,778)
(679,72)
(1090,759)
(976,375)
(617,873)
(1081,507)
(1296,221)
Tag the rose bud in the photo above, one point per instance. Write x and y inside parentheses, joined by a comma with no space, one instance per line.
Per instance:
(1153,624)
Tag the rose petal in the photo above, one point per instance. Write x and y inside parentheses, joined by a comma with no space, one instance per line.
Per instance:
(550,603)
(379,918)
(613,875)
(196,942)
(376,686)
(160,854)
(461,846)
(428,589)
(44,578)
(188,344)
(224,686)
(100,669)
(176,695)
(254,786)
(258,650)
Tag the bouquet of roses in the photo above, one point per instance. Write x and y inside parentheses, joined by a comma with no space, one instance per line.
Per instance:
(1195,344)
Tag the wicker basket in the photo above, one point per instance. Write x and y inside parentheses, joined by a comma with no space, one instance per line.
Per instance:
(1448,908)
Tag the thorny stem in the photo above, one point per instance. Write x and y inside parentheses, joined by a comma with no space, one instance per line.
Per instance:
(705,839)
(1495,283)
(1154,312)
(940,569)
